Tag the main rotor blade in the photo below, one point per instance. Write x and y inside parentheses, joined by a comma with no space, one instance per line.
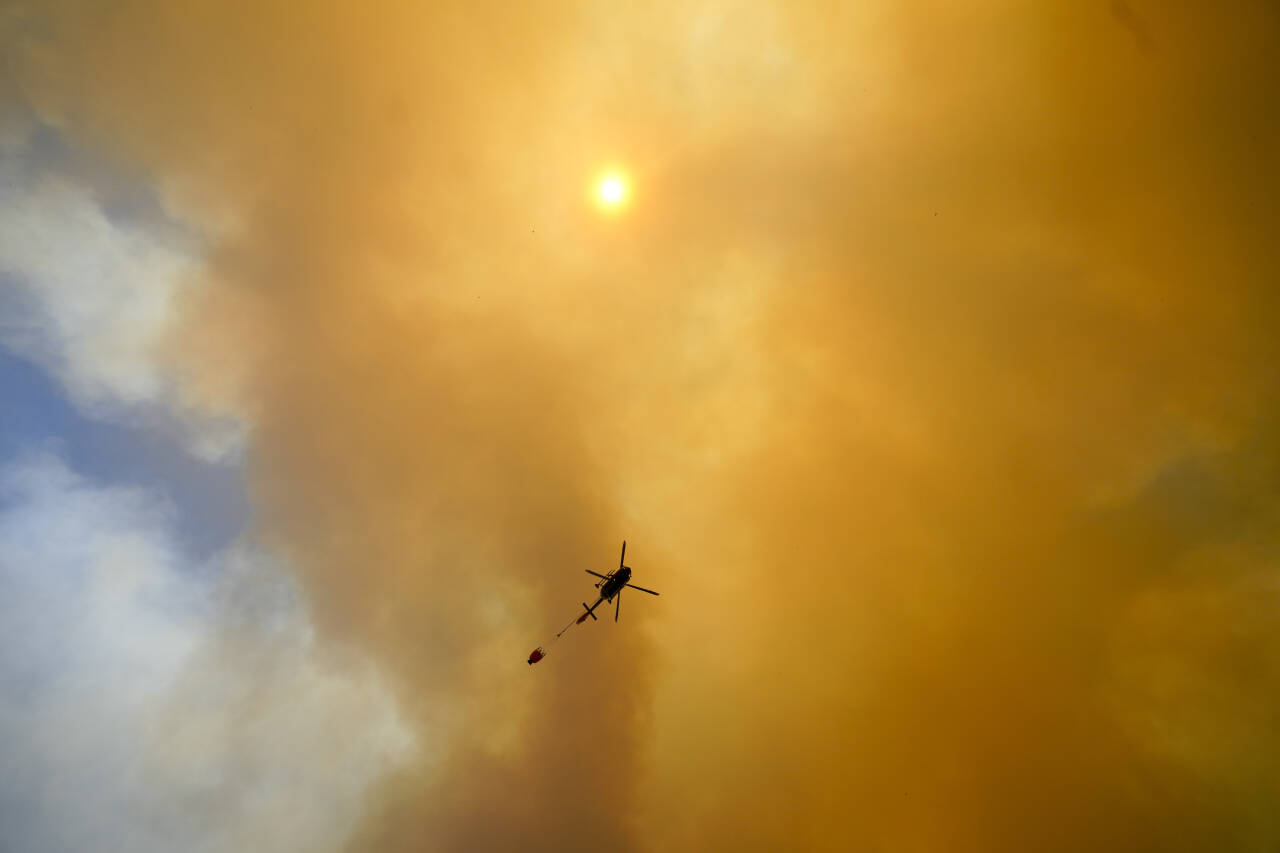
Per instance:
(617,607)
(624,553)
(642,589)
(597,574)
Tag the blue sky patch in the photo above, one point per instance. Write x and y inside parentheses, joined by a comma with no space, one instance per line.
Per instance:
(209,497)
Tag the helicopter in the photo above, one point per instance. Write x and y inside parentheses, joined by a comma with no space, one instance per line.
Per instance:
(611,586)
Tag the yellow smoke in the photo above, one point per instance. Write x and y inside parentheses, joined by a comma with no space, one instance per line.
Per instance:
(929,374)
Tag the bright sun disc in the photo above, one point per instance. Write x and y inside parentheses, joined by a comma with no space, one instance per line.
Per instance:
(613,190)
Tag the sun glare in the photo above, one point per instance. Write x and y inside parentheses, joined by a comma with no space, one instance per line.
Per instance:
(612,191)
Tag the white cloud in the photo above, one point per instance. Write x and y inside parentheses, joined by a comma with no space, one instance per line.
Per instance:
(90,297)
(150,705)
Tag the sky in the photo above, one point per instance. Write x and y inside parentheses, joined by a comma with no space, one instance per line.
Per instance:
(929,370)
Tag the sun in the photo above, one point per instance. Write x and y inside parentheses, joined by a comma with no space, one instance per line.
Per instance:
(612,191)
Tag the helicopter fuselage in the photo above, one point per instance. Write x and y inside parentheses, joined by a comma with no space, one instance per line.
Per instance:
(613,584)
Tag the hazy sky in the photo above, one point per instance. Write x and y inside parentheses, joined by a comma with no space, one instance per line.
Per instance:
(931,372)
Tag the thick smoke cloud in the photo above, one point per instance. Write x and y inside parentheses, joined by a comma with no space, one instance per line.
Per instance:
(930,376)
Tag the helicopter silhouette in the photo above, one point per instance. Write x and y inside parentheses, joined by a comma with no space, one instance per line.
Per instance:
(611,586)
